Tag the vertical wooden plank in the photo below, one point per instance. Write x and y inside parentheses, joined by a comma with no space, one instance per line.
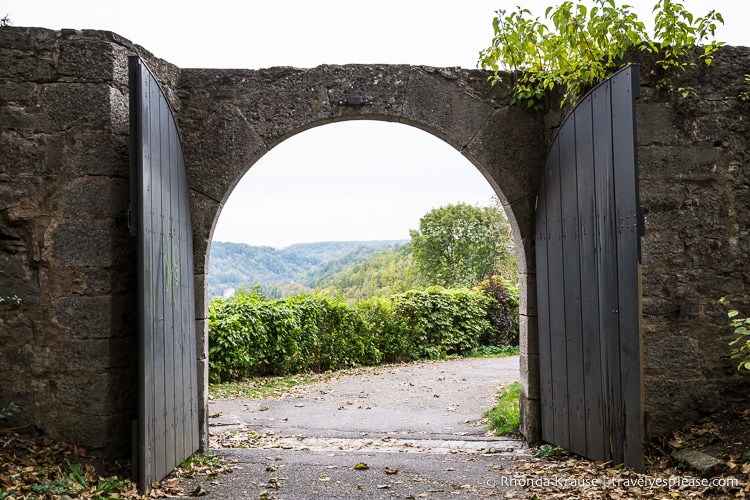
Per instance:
(557,311)
(625,89)
(572,287)
(158,200)
(592,372)
(607,269)
(545,352)
(151,293)
(167,265)
(140,212)
(178,360)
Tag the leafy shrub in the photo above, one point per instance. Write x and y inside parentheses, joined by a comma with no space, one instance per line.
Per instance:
(443,321)
(502,312)
(388,329)
(250,335)
(741,325)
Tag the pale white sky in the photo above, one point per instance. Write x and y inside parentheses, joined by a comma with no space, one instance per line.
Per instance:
(346,181)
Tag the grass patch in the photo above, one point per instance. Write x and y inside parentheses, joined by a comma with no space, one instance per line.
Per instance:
(494,351)
(505,418)
(264,387)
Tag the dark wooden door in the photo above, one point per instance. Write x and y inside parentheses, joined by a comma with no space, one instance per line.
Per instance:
(167,426)
(588,279)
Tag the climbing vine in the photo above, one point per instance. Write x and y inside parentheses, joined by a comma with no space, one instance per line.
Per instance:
(577,46)
(741,325)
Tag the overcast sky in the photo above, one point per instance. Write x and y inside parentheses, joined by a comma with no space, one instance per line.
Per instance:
(357,180)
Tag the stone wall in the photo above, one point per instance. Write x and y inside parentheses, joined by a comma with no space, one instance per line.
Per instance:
(695,188)
(68,349)
(65,249)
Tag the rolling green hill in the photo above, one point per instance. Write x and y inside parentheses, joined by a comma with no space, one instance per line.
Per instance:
(289,270)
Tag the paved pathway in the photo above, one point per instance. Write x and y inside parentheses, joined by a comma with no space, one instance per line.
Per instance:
(417,427)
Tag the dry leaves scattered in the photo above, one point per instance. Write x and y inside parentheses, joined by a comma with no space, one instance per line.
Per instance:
(34,467)
(37,467)
(569,476)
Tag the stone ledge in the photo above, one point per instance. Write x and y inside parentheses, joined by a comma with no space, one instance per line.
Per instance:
(700,462)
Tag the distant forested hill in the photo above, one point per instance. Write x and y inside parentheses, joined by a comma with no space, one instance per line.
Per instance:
(289,270)
(386,272)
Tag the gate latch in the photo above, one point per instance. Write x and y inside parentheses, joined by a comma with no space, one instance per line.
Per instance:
(355,100)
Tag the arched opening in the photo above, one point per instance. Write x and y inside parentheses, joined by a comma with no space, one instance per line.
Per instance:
(422,166)
(232,118)
(372,178)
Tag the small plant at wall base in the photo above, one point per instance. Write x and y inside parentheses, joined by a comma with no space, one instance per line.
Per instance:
(13,300)
(505,418)
(745,94)
(8,411)
(576,47)
(741,325)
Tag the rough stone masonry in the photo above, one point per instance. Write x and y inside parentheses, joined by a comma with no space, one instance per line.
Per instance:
(68,349)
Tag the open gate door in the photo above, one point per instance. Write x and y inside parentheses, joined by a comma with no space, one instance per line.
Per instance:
(167,426)
(588,229)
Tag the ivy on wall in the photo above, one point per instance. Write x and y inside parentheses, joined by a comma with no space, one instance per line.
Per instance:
(577,46)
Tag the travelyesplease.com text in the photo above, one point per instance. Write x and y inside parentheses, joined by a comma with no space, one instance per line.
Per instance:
(643,482)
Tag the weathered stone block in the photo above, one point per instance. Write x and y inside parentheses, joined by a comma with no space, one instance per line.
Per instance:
(531,418)
(82,242)
(529,341)
(84,60)
(445,109)
(529,369)
(89,393)
(23,39)
(203,403)
(105,197)
(85,318)
(201,296)
(687,398)
(527,303)
(522,218)
(18,92)
(705,465)
(68,105)
(96,152)
(201,336)
(673,357)
(215,166)
(511,149)
(33,68)
(205,212)
(384,85)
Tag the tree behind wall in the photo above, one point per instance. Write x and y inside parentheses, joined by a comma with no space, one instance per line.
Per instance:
(460,245)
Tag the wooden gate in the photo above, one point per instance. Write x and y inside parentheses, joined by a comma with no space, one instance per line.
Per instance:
(167,426)
(588,229)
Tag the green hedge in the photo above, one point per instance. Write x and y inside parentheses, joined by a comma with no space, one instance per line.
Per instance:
(250,335)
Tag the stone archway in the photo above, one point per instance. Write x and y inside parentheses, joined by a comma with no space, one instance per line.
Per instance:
(231,118)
